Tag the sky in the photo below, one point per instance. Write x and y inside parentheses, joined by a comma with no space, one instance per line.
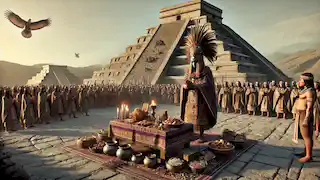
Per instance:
(101,29)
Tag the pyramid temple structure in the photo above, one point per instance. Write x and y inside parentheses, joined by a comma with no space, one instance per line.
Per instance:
(158,57)
(54,75)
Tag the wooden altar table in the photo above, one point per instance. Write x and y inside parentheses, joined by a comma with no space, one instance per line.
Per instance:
(169,142)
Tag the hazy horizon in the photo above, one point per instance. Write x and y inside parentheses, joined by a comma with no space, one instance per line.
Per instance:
(101,29)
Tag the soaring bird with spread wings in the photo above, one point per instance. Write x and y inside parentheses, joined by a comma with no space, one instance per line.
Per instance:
(27,26)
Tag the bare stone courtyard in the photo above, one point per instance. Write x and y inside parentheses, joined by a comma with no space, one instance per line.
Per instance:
(38,150)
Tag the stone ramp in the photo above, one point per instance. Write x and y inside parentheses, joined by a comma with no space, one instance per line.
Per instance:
(157,53)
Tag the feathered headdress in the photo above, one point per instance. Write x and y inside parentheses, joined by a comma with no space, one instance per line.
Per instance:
(201,38)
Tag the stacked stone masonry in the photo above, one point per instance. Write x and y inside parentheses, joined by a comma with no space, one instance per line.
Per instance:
(236,59)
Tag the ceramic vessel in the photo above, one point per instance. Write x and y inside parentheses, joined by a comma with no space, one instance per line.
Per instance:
(137,158)
(102,136)
(124,152)
(150,161)
(110,148)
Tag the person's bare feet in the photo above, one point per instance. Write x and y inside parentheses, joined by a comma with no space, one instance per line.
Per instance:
(305,159)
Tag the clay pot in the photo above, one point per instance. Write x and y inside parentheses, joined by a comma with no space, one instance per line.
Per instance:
(85,143)
(124,152)
(150,161)
(110,148)
(137,158)
(102,137)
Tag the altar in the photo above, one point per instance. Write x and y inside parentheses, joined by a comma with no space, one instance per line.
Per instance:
(170,142)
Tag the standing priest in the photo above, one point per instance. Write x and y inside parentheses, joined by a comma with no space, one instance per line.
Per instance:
(198,101)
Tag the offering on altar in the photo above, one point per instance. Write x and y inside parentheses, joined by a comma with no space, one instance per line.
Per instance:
(138,115)
(173,122)
(145,123)
(221,146)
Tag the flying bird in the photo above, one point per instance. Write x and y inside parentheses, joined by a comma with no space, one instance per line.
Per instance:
(27,26)
(77,55)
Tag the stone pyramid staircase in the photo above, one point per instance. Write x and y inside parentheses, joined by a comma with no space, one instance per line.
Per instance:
(54,75)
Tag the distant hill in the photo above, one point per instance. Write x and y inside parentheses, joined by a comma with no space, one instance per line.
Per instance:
(303,61)
(16,74)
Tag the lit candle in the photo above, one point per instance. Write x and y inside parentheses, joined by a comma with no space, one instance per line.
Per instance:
(122,111)
(118,113)
(153,103)
(127,111)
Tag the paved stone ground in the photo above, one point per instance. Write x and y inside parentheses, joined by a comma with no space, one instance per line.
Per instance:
(38,150)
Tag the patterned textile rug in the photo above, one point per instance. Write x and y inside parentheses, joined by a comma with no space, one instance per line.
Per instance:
(140,172)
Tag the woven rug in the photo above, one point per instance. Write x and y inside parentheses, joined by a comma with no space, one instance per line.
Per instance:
(140,172)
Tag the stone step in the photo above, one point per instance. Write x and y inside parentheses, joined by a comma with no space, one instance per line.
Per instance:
(174,79)
(179,60)
(177,70)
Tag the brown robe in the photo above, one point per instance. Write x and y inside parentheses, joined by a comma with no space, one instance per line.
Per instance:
(251,99)
(238,98)
(199,104)
(225,98)
(280,99)
(265,99)
(9,116)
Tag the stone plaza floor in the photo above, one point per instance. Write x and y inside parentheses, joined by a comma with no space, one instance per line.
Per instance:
(38,150)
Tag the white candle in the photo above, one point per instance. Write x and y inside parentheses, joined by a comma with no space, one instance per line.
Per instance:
(122,111)
(127,111)
(117,112)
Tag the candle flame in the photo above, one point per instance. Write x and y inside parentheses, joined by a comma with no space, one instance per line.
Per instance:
(153,103)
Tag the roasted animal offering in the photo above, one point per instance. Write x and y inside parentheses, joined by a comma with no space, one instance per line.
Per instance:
(233,136)
(221,146)
(138,115)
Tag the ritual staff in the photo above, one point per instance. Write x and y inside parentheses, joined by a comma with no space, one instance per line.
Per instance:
(238,98)
(198,101)
(9,116)
(304,116)
(316,110)
(264,99)
(280,99)
(225,98)
(294,95)
(251,98)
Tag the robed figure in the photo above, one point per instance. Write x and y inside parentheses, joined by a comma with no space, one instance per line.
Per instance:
(198,97)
